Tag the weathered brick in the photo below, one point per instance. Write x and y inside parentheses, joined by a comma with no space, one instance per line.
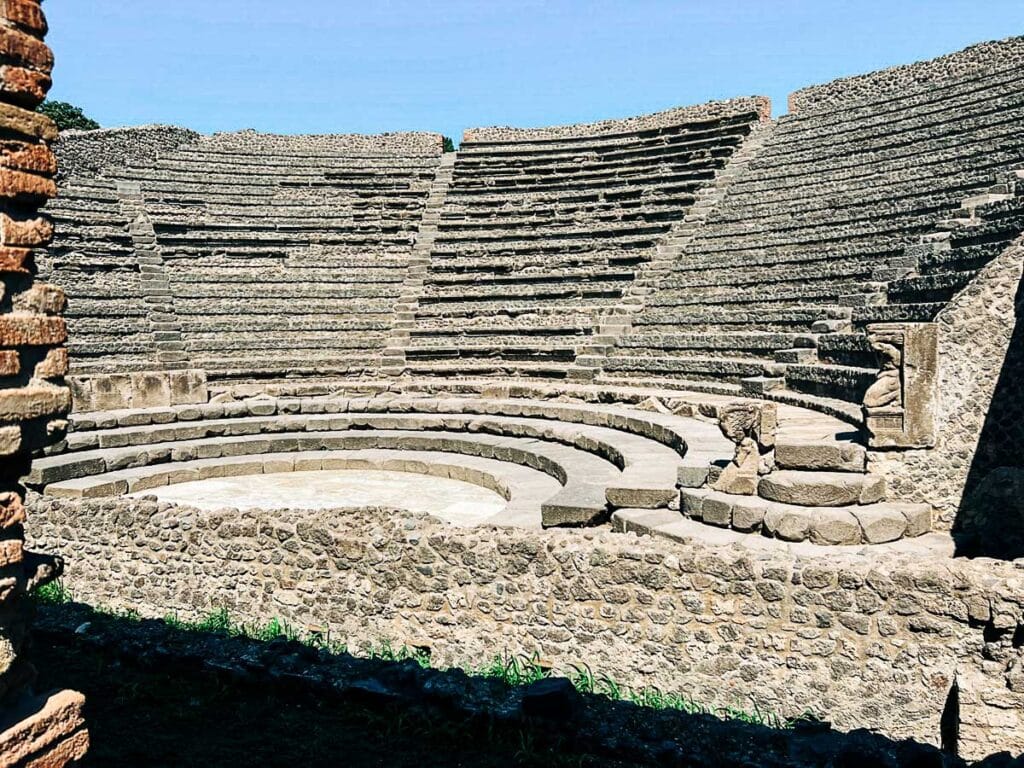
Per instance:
(12,509)
(41,298)
(28,156)
(27,14)
(15,260)
(17,330)
(25,232)
(12,551)
(33,402)
(10,441)
(54,365)
(31,124)
(20,185)
(10,362)
(25,86)
(59,717)
(25,50)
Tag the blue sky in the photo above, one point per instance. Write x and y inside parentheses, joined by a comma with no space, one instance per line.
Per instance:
(314,66)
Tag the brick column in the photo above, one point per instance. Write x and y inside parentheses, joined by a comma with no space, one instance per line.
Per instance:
(43,730)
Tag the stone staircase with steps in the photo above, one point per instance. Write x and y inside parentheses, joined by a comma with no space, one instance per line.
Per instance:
(819,491)
(154,280)
(393,356)
(611,324)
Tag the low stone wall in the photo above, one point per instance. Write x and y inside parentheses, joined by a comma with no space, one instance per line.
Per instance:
(397,143)
(713,110)
(896,81)
(881,640)
(89,153)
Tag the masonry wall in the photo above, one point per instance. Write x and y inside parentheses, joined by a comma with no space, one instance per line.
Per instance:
(43,730)
(90,153)
(974,345)
(865,641)
(896,81)
(712,110)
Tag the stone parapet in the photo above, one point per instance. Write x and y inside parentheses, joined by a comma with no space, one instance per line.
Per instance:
(90,153)
(712,110)
(898,81)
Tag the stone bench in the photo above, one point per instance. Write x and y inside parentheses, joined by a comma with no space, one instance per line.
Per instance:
(584,476)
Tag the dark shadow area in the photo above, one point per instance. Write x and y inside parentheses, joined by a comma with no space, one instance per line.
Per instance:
(158,695)
(990,521)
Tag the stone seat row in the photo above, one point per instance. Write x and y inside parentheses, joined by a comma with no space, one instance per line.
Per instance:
(869,116)
(525,489)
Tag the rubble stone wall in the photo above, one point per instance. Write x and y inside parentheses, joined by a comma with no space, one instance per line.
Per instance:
(712,110)
(398,143)
(90,153)
(975,332)
(865,640)
(33,399)
(897,81)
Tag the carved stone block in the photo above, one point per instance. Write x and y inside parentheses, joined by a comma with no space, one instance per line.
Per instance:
(899,408)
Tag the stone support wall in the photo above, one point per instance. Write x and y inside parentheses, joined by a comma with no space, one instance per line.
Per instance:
(865,640)
(399,143)
(33,399)
(713,110)
(974,337)
(897,81)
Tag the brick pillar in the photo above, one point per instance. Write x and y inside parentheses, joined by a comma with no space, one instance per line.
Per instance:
(45,730)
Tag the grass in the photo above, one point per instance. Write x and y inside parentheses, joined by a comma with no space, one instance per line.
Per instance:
(513,670)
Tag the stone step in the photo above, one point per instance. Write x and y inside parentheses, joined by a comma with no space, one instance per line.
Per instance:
(843,525)
(824,455)
(796,355)
(821,489)
(761,385)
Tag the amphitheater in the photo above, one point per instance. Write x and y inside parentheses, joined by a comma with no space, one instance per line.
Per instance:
(716,402)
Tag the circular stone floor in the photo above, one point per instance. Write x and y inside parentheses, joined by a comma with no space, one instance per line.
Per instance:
(451,500)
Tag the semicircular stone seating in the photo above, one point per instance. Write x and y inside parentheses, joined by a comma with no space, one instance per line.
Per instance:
(563,315)
(586,459)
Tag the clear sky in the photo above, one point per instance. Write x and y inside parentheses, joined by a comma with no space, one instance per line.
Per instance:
(317,66)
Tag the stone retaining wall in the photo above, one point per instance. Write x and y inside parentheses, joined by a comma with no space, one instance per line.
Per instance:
(712,110)
(90,153)
(866,641)
(896,81)
(976,332)
(34,730)
(397,143)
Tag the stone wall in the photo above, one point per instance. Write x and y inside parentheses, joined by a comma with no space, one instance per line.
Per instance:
(975,334)
(896,81)
(873,640)
(398,143)
(90,153)
(712,110)
(33,400)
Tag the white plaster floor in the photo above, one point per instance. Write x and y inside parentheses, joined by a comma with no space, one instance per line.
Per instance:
(453,501)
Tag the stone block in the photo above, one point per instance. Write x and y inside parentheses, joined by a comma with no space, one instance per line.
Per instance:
(747,513)
(150,389)
(880,523)
(788,523)
(717,510)
(834,526)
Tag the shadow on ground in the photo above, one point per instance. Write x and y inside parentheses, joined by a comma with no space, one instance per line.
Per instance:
(164,696)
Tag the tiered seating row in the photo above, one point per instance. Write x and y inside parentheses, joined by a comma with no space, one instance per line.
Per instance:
(539,237)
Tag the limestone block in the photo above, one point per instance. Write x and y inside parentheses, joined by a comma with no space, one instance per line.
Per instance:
(834,526)
(832,455)
(188,387)
(150,389)
(880,523)
(821,489)
(110,393)
(717,510)
(788,523)
(748,513)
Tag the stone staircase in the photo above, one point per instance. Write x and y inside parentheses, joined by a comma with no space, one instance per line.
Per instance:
(611,324)
(154,280)
(393,357)
(818,491)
